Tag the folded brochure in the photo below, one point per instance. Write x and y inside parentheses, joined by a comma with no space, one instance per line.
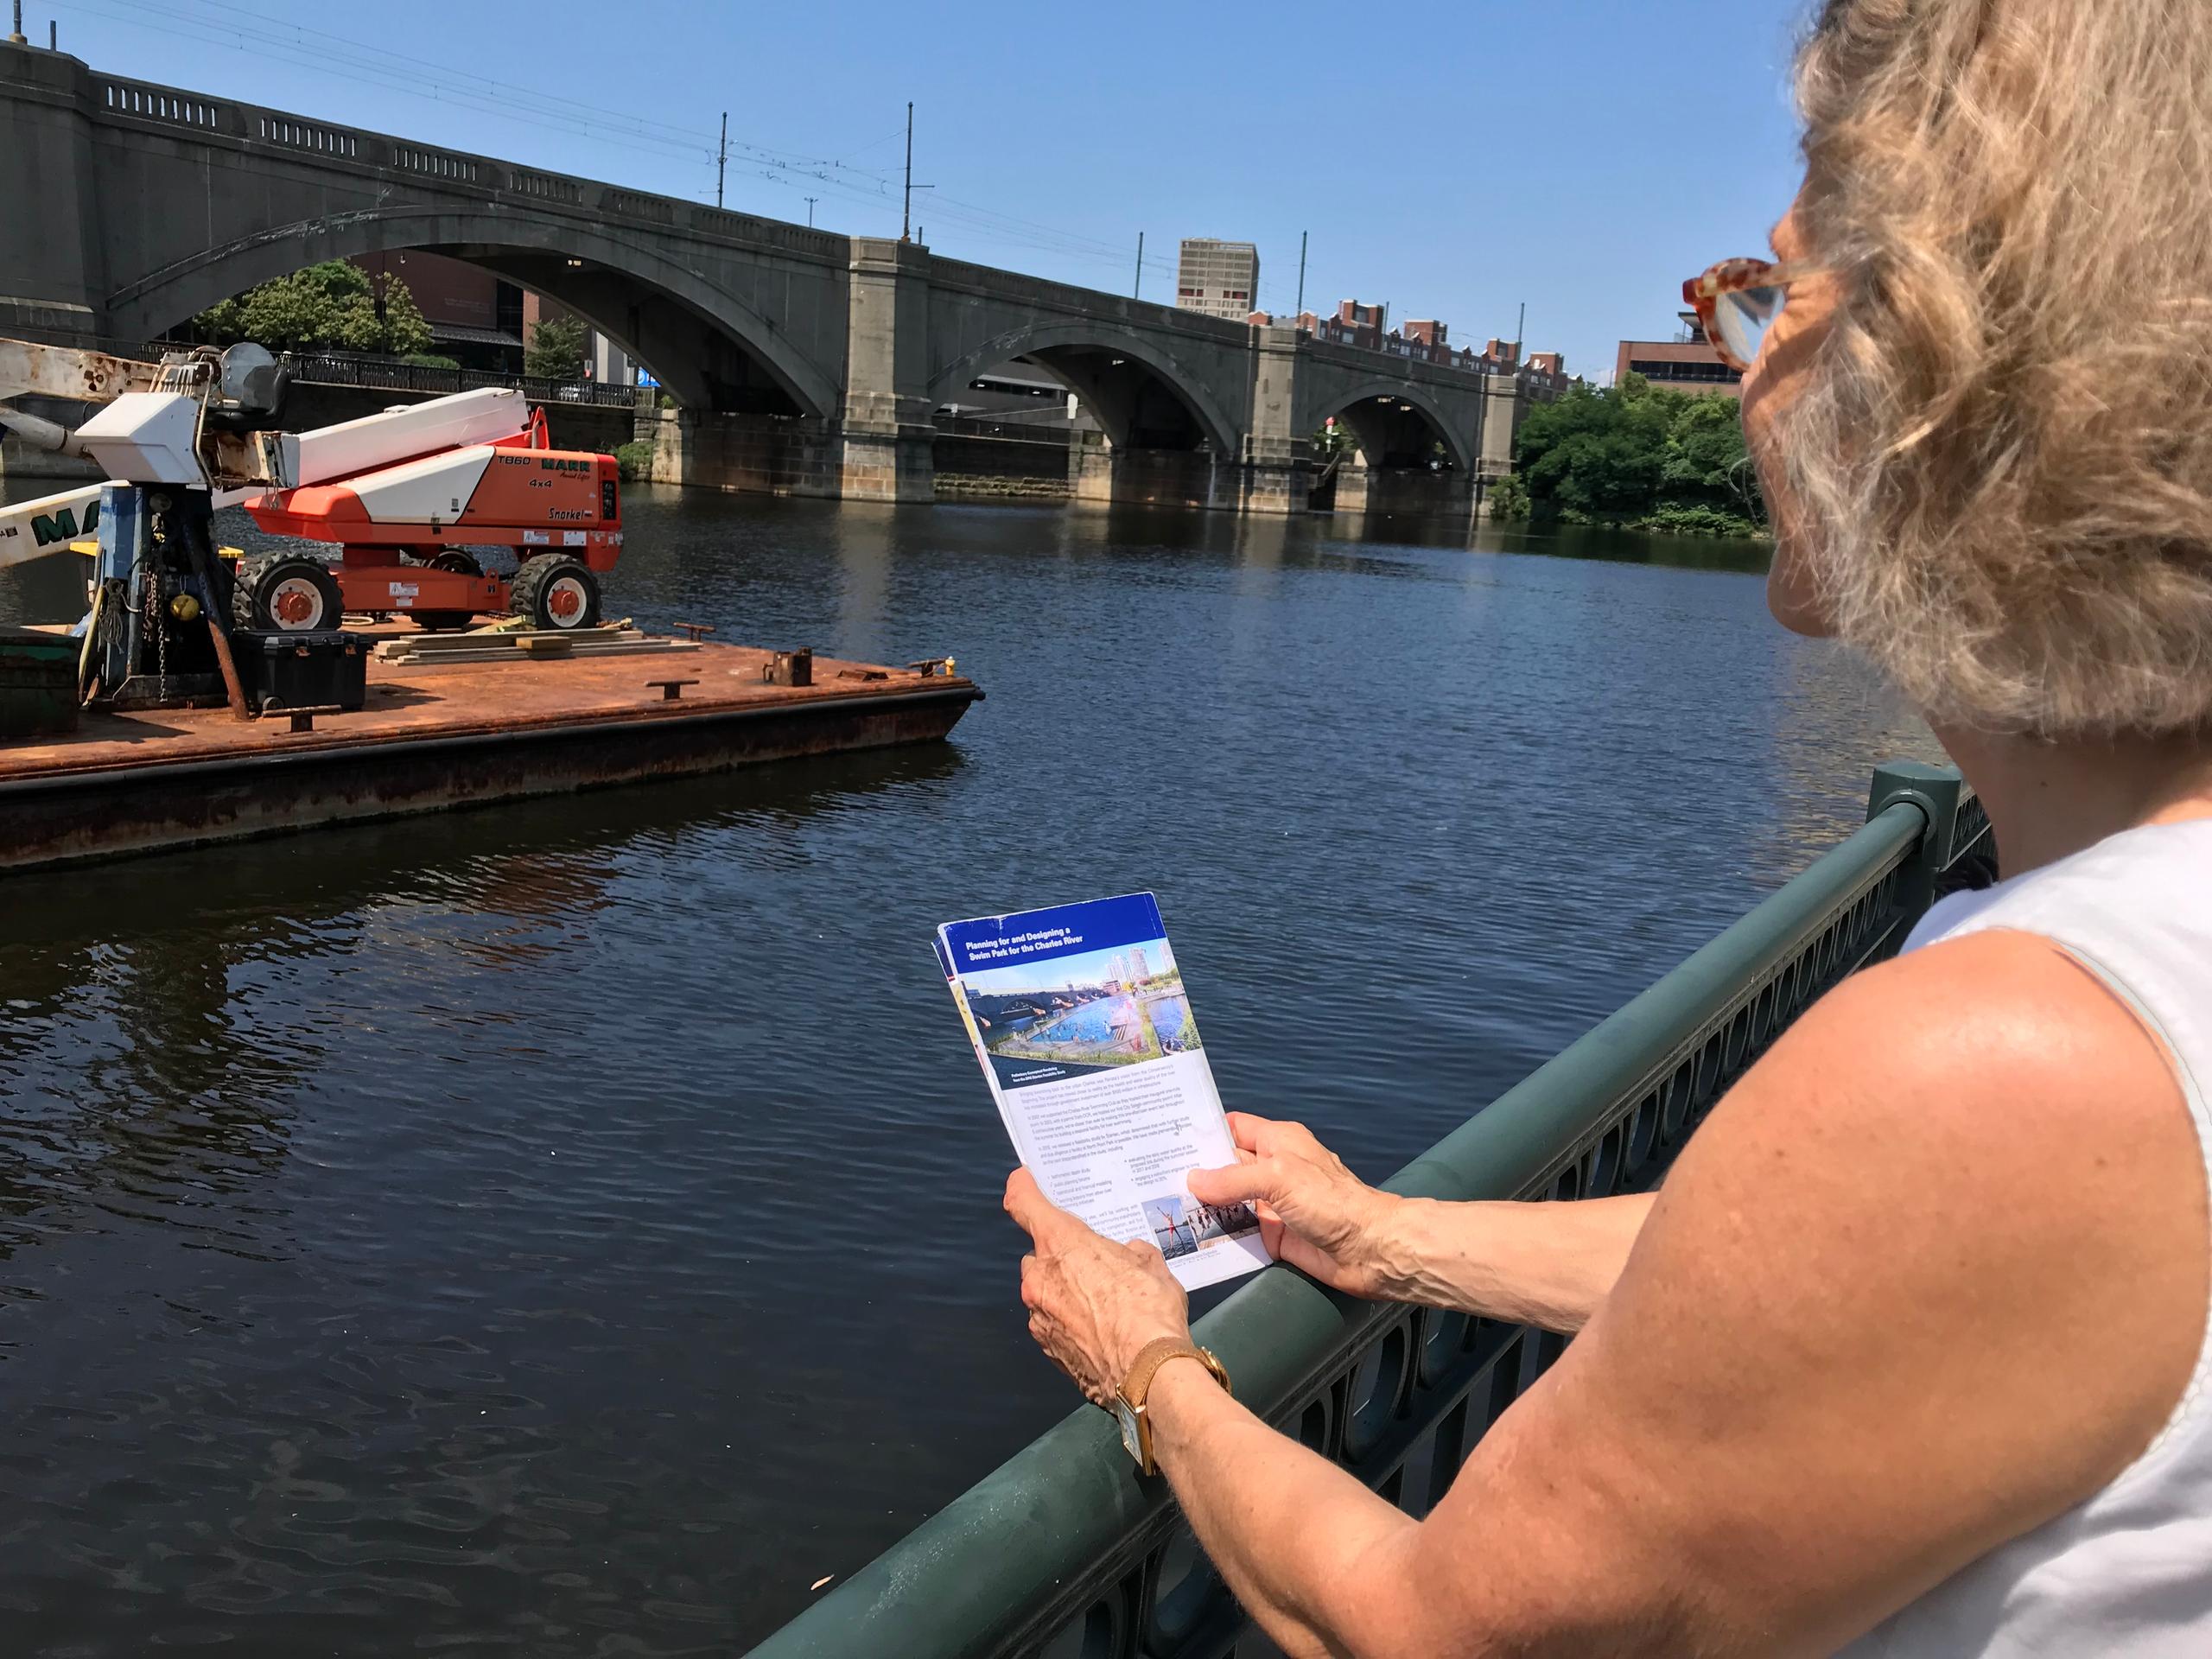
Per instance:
(1079,1016)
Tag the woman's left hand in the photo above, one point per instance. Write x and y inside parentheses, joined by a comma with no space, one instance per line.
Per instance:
(1093,1304)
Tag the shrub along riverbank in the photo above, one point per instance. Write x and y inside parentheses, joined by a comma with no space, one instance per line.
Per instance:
(1636,458)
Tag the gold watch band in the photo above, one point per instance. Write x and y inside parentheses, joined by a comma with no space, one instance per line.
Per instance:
(1158,1352)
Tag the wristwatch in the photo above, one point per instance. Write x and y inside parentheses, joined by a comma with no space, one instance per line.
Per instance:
(1129,1399)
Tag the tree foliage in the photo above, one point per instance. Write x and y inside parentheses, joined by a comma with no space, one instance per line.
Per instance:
(332,306)
(1509,499)
(556,349)
(635,460)
(1637,456)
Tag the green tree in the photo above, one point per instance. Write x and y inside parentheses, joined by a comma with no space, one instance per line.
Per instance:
(1331,439)
(1509,499)
(556,350)
(1707,464)
(1639,457)
(334,305)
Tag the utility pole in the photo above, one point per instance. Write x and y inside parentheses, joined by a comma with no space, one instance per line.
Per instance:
(811,200)
(16,38)
(1137,293)
(906,212)
(1302,274)
(1518,329)
(721,159)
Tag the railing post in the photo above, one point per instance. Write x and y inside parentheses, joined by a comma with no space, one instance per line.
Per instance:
(1937,792)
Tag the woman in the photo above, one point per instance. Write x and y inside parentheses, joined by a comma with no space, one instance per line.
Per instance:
(1910,1355)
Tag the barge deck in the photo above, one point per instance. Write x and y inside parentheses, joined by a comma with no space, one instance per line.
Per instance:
(437,735)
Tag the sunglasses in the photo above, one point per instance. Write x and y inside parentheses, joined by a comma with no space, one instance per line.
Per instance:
(1736,301)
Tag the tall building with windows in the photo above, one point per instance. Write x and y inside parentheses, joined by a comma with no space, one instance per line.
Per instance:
(1219,278)
(1685,363)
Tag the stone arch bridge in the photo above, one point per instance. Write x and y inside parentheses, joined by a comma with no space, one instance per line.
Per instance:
(802,361)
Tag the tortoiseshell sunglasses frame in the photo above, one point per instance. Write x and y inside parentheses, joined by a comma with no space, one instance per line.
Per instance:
(1703,295)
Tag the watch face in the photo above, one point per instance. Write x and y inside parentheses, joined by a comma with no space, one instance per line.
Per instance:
(1125,1420)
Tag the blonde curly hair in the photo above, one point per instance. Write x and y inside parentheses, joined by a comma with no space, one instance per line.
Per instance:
(1999,463)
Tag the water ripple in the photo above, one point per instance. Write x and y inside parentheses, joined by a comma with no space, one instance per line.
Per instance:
(572,1229)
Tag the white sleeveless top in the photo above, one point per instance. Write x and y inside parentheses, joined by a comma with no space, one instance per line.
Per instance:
(2128,1572)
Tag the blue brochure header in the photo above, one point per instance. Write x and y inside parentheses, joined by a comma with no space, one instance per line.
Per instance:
(1040,935)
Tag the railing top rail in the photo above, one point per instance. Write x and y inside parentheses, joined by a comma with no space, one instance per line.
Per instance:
(1003,1566)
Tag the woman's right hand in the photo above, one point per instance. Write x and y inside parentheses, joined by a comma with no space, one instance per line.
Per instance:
(1314,1214)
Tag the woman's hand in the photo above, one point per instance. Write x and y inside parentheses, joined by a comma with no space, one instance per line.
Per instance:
(1093,1304)
(1314,1214)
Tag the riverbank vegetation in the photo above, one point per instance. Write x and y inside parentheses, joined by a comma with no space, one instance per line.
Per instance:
(1636,458)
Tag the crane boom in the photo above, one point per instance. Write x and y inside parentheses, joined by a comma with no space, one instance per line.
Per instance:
(30,369)
(32,530)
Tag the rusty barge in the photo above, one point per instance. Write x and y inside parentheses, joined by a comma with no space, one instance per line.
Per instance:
(433,735)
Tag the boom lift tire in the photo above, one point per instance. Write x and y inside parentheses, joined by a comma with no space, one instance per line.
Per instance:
(448,621)
(284,593)
(555,591)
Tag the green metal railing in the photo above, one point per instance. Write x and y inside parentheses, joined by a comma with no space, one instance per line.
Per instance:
(1064,1550)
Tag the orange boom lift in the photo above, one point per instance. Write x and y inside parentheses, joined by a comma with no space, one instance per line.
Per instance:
(404,530)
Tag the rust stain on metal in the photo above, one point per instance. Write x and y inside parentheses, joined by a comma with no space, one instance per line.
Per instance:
(60,372)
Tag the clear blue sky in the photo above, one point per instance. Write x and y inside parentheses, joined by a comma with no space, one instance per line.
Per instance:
(1584,155)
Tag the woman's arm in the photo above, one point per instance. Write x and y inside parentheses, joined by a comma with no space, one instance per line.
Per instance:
(1544,1264)
(1866,1336)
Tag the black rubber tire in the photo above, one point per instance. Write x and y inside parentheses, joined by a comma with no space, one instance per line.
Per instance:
(282,580)
(448,621)
(546,583)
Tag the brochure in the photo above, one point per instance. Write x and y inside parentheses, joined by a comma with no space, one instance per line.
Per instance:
(1079,1016)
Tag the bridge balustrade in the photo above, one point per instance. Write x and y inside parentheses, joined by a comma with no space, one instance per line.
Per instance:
(1064,1550)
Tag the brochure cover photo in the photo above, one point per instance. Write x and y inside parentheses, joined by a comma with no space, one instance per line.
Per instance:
(1079,1017)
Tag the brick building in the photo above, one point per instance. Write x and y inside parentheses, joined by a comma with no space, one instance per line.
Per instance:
(474,318)
(1685,363)
(484,322)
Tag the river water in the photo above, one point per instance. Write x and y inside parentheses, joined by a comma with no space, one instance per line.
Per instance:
(572,1228)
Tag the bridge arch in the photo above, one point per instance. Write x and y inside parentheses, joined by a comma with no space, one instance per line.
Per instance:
(1040,342)
(1459,445)
(167,297)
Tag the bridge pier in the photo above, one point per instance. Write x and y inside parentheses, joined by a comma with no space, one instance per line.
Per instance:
(765,454)
(1415,492)
(1277,486)
(1100,472)
(889,434)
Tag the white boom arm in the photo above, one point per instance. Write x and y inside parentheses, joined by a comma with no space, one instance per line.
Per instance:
(31,529)
(29,370)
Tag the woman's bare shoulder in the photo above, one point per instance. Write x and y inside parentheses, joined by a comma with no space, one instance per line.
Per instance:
(1986,1085)
(1934,1271)
(1974,1154)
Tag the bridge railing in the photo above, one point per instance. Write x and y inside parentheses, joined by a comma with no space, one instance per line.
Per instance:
(351,369)
(1065,1551)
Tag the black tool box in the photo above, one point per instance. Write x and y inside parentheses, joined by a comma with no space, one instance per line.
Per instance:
(293,672)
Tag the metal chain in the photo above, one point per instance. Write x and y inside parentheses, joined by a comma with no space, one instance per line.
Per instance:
(160,634)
